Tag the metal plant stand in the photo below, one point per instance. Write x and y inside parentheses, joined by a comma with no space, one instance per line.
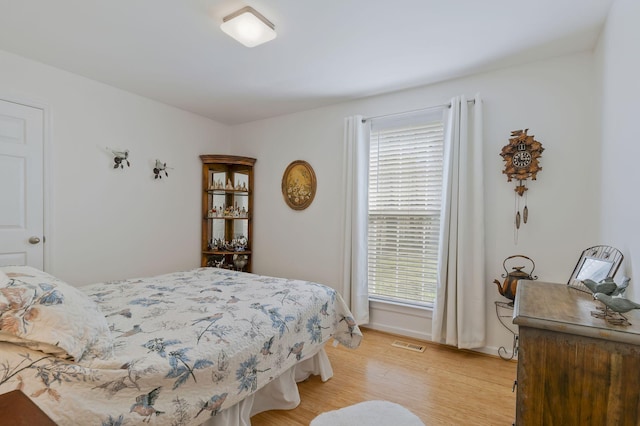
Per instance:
(505,310)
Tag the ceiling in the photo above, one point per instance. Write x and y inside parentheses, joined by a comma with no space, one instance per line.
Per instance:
(326,51)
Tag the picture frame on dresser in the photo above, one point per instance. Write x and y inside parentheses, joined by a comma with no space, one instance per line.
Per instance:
(595,263)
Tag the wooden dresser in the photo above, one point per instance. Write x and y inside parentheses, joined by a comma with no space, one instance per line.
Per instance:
(573,368)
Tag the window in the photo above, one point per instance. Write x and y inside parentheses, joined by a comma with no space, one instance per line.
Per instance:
(405,193)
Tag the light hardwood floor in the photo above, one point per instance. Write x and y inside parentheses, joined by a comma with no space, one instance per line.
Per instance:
(442,386)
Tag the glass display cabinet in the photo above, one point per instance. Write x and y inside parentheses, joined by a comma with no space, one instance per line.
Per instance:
(227,211)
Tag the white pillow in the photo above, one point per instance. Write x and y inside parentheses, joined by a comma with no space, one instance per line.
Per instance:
(46,314)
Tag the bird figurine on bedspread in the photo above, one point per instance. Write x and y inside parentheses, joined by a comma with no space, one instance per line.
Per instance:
(144,404)
(213,404)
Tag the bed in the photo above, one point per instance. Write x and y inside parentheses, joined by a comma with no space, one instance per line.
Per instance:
(206,346)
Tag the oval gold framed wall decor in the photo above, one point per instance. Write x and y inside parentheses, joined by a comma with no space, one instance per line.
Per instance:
(299,185)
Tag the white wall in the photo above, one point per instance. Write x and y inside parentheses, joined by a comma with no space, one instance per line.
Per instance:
(555,99)
(106,223)
(619,66)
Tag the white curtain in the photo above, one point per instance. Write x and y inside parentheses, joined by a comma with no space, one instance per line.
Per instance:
(459,308)
(356,177)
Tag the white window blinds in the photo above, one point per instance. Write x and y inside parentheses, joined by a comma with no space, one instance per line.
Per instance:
(405,192)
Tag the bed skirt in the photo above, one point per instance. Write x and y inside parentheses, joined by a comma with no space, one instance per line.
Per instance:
(279,394)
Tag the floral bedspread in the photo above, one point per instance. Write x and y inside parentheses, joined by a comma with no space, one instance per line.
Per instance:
(186,346)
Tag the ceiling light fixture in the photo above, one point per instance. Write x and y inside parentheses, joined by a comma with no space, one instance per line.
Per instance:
(248,27)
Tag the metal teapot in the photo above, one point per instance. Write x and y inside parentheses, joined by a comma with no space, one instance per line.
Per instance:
(508,288)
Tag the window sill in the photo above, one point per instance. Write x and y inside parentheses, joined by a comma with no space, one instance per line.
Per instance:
(401,308)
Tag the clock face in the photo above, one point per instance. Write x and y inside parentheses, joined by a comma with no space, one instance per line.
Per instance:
(521,159)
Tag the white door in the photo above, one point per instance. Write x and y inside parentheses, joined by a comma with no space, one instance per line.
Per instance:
(21,185)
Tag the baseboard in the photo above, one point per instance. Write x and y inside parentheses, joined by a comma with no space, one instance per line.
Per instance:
(426,337)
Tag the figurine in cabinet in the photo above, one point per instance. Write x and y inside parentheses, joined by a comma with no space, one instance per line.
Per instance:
(240,261)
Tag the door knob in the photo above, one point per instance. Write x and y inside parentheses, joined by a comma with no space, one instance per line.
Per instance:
(34,240)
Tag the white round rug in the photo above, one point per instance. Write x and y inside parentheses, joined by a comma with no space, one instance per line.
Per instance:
(378,413)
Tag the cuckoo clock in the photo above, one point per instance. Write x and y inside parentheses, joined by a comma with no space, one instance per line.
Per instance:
(522,161)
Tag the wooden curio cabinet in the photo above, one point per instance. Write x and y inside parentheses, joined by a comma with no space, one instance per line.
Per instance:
(227,211)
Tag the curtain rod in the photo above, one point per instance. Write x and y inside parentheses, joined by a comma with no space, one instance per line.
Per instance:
(364,120)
